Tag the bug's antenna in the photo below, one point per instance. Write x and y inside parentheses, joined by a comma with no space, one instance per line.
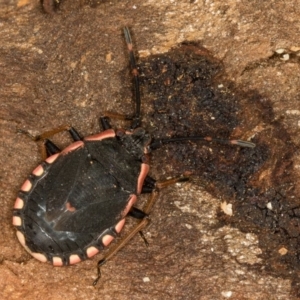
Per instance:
(136,120)
(157,143)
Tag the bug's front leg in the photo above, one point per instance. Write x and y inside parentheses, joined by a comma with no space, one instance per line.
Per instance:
(105,119)
(135,118)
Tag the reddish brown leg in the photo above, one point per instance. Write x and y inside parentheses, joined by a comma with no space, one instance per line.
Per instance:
(49,148)
(139,226)
(135,118)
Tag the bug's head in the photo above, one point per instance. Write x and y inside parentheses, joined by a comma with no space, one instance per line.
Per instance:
(135,142)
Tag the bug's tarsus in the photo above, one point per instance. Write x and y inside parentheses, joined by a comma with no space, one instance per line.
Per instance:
(136,120)
(144,238)
(26,133)
(99,265)
(50,6)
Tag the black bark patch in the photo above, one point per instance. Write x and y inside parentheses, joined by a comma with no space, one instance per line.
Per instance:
(192,96)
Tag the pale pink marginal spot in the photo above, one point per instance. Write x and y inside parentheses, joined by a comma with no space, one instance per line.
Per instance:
(91,251)
(52,158)
(21,238)
(109,133)
(19,203)
(74,259)
(131,201)
(57,261)
(39,256)
(107,239)
(144,171)
(69,207)
(72,147)
(120,225)
(17,221)
(26,186)
(38,171)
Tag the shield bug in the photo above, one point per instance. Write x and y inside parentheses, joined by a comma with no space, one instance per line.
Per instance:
(75,202)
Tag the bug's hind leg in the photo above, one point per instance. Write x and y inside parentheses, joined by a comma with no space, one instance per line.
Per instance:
(149,185)
(140,215)
(137,213)
(143,215)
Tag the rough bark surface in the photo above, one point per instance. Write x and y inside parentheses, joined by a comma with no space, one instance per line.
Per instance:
(236,75)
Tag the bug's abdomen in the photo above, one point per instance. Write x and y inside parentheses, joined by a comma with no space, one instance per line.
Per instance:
(71,206)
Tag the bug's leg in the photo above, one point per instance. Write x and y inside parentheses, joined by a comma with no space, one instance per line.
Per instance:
(47,134)
(119,246)
(158,186)
(49,6)
(49,148)
(140,215)
(74,134)
(157,143)
(139,226)
(104,122)
(105,119)
(136,117)
(137,213)
(136,120)
(149,185)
